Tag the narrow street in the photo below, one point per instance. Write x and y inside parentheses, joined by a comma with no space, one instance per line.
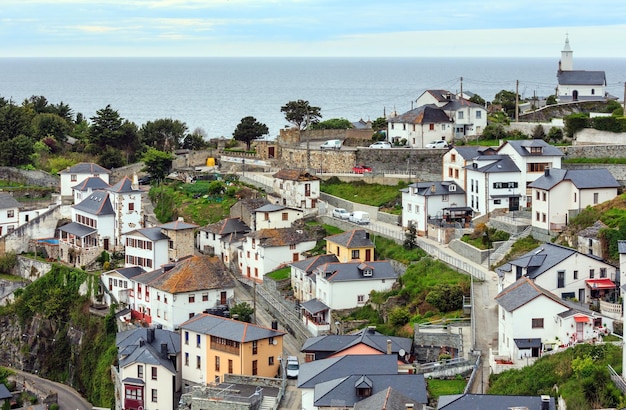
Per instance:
(67,397)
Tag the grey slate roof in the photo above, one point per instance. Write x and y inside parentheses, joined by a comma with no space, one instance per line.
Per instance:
(228,328)
(309,264)
(490,402)
(227,226)
(125,185)
(460,103)
(581,178)
(143,345)
(344,389)
(97,203)
(177,225)
(368,337)
(85,168)
(521,292)
(425,114)
(356,238)
(77,229)
(388,399)
(319,371)
(581,77)
(468,151)
(4,392)
(153,233)
(314,306)
(93,183)
(271,208)
(498,163)
(522,148)
(592,231)
(130,272)
(436,188)
(353,271)
(7,201)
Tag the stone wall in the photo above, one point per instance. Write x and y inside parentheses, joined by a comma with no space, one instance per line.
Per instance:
(548,112)
(30,177)
(31,269)
(528,127)
(617,149)
(340,161)
(43,226)
(472,253)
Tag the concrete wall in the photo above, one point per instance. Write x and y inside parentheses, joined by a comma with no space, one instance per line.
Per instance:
(31,269)
(470,252)
(44,226)
(30,177)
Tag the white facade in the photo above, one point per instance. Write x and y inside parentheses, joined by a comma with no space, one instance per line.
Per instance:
(157,390)
(105,225)
(128,210)
(194,356)
(78,173)
(297,189)
(9,216)
(424,200)
(149,253)
(418,135)
(537,156)
(275,217)
(349,294)
(118,286)
(483,196)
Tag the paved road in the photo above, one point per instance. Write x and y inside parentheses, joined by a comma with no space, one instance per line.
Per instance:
(68,398)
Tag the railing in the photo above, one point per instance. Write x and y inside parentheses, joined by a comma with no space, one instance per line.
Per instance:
(554,227)
(225,348)
(606,307)
(617,379)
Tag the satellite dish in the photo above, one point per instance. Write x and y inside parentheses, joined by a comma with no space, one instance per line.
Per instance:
(401,352)
(274,342)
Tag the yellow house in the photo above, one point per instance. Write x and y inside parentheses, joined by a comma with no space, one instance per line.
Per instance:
(351,245)
(212,346)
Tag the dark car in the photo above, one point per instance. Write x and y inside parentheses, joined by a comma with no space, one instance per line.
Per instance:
(361,169)
(145,180)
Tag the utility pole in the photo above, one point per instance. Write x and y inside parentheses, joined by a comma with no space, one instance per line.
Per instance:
(461,87)
(517,101)
(254,304)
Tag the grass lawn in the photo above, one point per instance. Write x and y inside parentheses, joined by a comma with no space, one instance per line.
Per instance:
(364,193)
(440,387)
(280,274)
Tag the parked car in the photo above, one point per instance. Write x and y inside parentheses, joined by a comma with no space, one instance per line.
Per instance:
(381,144)
(331,144)
(145,180)
(361,169)
(293,367)
(360,217)
(341,213)
(437,144)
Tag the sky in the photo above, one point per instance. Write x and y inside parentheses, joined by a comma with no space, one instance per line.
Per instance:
(310,28)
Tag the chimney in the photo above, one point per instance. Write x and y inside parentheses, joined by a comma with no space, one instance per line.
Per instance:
(546,171)
(371,329)
(367,235)
(150,335)
(408,406)
(388,346)
(164,350)
(433,188)
(545,402)
(167,267)
(274,324)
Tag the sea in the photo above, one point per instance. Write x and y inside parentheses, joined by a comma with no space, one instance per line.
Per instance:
(214,94)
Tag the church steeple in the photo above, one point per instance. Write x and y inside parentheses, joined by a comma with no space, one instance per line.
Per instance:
(567,57)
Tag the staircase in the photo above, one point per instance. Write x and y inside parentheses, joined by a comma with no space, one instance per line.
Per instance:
(268,403)
(497,255)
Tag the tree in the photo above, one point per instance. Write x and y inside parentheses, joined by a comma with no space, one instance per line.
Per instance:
(163,134)
(111,158)
(105,129)
(379,124)
(551,100)
(446,297)
(333,124)
(410,237)
(16,151)
(301,114)
(195,140)
(477,99)
(555,134)
(243,311)
(507,100)
(248,130)
(48,124)
(538,132)
(157,163)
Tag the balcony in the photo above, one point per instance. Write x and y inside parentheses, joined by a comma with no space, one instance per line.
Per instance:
(225,348)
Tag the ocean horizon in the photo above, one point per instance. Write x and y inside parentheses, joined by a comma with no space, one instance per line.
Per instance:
(214,94)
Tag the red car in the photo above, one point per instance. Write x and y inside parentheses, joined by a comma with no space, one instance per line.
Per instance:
(361,169)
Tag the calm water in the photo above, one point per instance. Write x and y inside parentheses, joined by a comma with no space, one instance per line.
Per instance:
(216,93)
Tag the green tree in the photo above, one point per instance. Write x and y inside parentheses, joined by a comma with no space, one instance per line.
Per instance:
(301,114)
(555,134)
(243,311)
(538,132)
(399,316)
(48,124)
(129,143)
(477,99)
(410,237)
(157,163)
(14,120)
(493,132)
(248,130)
(575,122)
(111,158)
(507,100)
(196,140)
(17,151)
(333,124)
(551,100)
(163,134)
(446,297)
(379,124)
(105,129)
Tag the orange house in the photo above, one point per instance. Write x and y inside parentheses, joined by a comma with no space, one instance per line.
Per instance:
(351,245)
(212,346)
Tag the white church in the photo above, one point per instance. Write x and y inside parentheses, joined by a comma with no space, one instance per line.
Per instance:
(578,85)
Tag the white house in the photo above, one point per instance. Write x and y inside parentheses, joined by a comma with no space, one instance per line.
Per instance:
(298,189)
(86,187)
(425,201)
(222,238)
(147,247)
(457,159)
(117,284)
(265,250)
(560,194)
(148,371)
(272,216)
(577,85)
(302,283)
(494,183)
(172,294)
(75,174)
(420,126)
(126,201)
(9,213)
(565,272)
(532,320)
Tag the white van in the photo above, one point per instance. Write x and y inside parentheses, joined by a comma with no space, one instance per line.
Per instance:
(293,367)
(331,144)
(360,217)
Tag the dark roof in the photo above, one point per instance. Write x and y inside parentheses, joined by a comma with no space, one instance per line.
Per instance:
(7,201)
(227,226)
(319,371)
(459,103)
(97,203)
(522,147)
(436,188)
(581,77)
(129,272)
(77,229)
(521,292)
(440,95)
(496,163)
(314,306)
(581,178)
(143,345)
(354,271)
(123,186)
(592,231)
(368,337)
(228,328)
(85,168)
(621,246)
(295,175)
(252,203)
(177,225)
(540,259)
(4,392)
(468,151)
(271,208)
(527,343)
(388,399)
(93,183)
(309,264)
(425,114)
(344,389)
(190,274)
(153,233)
(357,238)
(490,402)
(280,237)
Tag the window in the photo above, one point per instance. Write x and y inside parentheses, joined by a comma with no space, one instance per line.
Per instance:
(431,127)
(11,213)
(459,115)
(537,323)
(73,178)
(285,216)
(543,196)
(538,195)
(255,369)
(186,359)
(186,337)
(254,347)
(230,366)
(355,254)
(450,172)
(266,216)
(575,197)
(537,216)
(191,315)
(154,395)
(592,273)
(154,372)
(408,208)
(198,362)
(131,206)
(270,341)
(479,114)
(140,371)
(270,361)
(192,298)
(292,246)
(603,272)
(198,339)
(165,299)
(497,201)
(171,244)
(205,297)
(575,274)
(360,299)
(595,198)
(256,272)
(560,281)
(444,198)
(217,363)
(456,173)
